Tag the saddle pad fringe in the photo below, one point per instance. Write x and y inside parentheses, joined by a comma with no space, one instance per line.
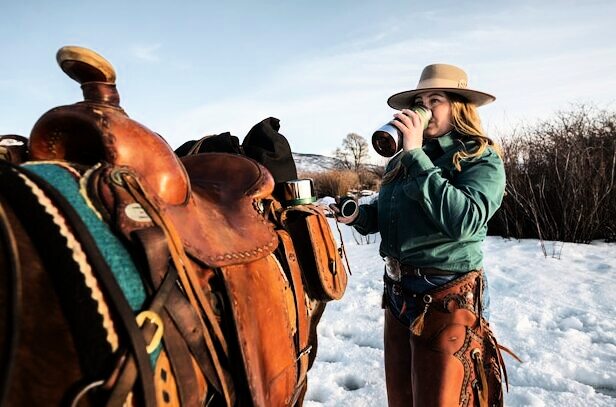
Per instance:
(80,259)
(114,253)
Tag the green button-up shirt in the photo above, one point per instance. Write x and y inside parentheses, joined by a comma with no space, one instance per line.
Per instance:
(433,215)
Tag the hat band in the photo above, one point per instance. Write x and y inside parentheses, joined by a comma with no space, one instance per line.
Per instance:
(442,83)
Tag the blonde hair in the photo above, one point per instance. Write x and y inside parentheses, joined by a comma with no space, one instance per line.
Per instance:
(465,120)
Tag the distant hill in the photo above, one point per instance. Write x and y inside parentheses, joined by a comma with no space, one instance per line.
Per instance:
(315,162)
(318,163)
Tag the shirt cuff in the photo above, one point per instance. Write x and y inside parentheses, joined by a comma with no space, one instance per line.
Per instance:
(361,217)
(361,221)
(416,161)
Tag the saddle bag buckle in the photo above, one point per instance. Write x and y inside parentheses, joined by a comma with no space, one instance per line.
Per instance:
(155,319)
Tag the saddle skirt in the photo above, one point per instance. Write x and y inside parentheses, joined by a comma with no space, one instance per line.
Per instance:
(222,224)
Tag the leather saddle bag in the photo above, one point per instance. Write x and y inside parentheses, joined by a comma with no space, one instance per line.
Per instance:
(317,251)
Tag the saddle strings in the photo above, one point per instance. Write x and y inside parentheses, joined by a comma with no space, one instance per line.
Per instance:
(186,274)
(342,248)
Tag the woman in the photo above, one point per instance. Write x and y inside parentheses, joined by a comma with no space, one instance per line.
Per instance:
(437,196)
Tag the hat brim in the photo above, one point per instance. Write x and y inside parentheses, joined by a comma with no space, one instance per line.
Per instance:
(404,100)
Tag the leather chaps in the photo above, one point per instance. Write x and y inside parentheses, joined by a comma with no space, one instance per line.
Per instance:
(449,357)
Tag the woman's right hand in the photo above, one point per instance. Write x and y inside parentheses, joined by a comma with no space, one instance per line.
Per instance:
(410,125)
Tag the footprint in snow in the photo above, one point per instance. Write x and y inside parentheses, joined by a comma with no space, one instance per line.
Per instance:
(351,383)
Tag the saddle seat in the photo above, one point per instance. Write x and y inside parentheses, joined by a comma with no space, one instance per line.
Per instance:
(221,224)
(98,130)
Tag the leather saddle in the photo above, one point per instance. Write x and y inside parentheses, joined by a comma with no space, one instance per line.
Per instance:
(212,201)
(210,198)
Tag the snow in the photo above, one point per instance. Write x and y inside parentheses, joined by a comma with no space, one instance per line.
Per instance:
(556,312)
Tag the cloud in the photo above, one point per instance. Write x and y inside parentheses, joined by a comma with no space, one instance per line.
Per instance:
(533,69)
(148,53)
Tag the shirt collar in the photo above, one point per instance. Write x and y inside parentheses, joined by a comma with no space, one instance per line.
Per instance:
(446,142)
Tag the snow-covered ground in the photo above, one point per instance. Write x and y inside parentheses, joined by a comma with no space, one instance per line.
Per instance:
(555,312)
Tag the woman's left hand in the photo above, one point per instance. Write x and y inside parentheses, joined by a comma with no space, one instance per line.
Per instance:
(410,125)
(338,215)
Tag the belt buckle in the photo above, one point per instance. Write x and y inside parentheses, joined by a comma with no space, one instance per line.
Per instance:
(392,268)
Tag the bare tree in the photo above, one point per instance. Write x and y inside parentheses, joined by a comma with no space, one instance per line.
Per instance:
(354,151)
(561,179)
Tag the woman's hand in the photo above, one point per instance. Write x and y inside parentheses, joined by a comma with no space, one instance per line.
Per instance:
(335,208)
(410,125)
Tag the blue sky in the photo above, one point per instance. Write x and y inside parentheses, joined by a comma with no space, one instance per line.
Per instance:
(324,68)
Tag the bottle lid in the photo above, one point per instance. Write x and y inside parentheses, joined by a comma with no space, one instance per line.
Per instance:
(298,192)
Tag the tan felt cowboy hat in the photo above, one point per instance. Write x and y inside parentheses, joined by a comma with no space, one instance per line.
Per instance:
(443,77)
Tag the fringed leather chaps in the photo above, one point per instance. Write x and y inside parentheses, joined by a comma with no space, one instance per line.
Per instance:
(454,357)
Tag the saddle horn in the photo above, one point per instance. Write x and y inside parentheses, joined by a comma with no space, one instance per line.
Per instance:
(98,130)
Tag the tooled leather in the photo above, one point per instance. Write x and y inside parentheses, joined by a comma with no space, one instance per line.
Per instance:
(464,356)
(436,326)
(456,291)
(494,364)
(87,133)
(224,186)
(220,224)
(451,305)
(210,221)
(224,190)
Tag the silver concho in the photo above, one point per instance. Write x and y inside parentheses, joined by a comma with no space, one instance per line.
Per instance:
(135,212)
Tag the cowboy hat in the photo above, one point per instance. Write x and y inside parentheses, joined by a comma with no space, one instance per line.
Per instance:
(441,77)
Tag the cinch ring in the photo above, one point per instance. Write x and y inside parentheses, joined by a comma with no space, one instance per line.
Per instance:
(427,298)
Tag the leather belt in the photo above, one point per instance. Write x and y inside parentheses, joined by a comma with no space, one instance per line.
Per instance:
(396,270)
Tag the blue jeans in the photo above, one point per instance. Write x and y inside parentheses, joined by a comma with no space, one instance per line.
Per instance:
(416,285)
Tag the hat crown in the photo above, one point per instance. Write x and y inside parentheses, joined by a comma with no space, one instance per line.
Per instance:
(442,76)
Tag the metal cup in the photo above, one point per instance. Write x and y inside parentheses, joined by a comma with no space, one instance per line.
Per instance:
(348,207)
(387,139)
